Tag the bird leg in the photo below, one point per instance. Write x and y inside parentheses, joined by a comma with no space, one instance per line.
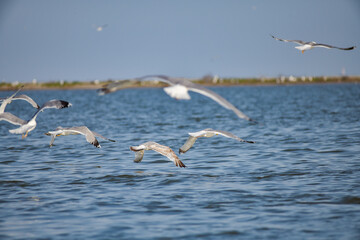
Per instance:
(302,51)
(24,136)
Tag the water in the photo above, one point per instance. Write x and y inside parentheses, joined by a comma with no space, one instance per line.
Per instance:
(299,181)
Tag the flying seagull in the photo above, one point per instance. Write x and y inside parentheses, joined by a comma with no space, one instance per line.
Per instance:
(100,28)
(31,124)
(207,133)
(310,45)
(178,89)
(83,130)
(118,85)
(163,150)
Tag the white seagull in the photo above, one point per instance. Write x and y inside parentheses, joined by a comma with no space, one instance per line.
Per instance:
(207,133)
(310,45)
(178,89)
(83,130)
(163,150)
(9,117)
(31,124)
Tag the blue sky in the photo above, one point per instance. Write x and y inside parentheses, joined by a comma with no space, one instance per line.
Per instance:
(57,40)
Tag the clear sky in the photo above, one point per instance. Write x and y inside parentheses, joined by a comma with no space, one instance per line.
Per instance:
(58,40)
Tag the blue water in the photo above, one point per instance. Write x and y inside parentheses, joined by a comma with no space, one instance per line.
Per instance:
(300,180)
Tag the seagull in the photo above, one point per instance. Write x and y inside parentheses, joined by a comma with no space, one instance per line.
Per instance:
(118,85)
(163,150)
(83,130)
(207,133)
(100,28)
(31,124)
(178,89)
(310,45)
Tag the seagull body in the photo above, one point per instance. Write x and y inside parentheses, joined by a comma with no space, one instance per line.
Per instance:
(31,124)
(163,150)
(304,46)
(207,133)
(178,89)
(83,130)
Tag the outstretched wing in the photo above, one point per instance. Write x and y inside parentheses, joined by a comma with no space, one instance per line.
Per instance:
(28,99)
(139,154)
(285,40)
(220,100)
(230,135)
(53,136)
(6,116)
(100,136)
(115,86)
(6,101)
(188,144)
(167,152)
(53,104)
(329,46)
(90,137)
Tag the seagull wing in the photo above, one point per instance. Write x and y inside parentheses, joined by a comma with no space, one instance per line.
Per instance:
(285,40)
(165,151)
(90,137)
(6,116)
(100,136)
(6,101)
(115,86)
(230,135)
(22,129)
(188,144)
(53,136)
(139,153)
(28,99)
(329,46)
(220,100)
(52,104)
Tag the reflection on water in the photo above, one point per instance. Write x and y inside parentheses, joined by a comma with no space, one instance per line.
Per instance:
(300,178)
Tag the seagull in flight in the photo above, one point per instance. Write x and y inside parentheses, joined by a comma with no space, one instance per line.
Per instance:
(178,88)
(207,133)
(31,124)
(100,28)
(9,117)
(83,130)
(163,150)
(310,45)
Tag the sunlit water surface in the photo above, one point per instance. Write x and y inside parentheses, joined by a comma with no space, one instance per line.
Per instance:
(300,180)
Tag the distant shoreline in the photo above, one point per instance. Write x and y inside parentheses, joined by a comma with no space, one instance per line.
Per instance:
(209,81)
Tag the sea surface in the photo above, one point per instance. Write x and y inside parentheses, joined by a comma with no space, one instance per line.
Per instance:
(300,180)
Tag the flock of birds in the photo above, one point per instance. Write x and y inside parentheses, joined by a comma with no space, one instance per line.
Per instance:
(178,88)
(27,126)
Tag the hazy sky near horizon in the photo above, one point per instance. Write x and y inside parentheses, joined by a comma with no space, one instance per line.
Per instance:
(57,40)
